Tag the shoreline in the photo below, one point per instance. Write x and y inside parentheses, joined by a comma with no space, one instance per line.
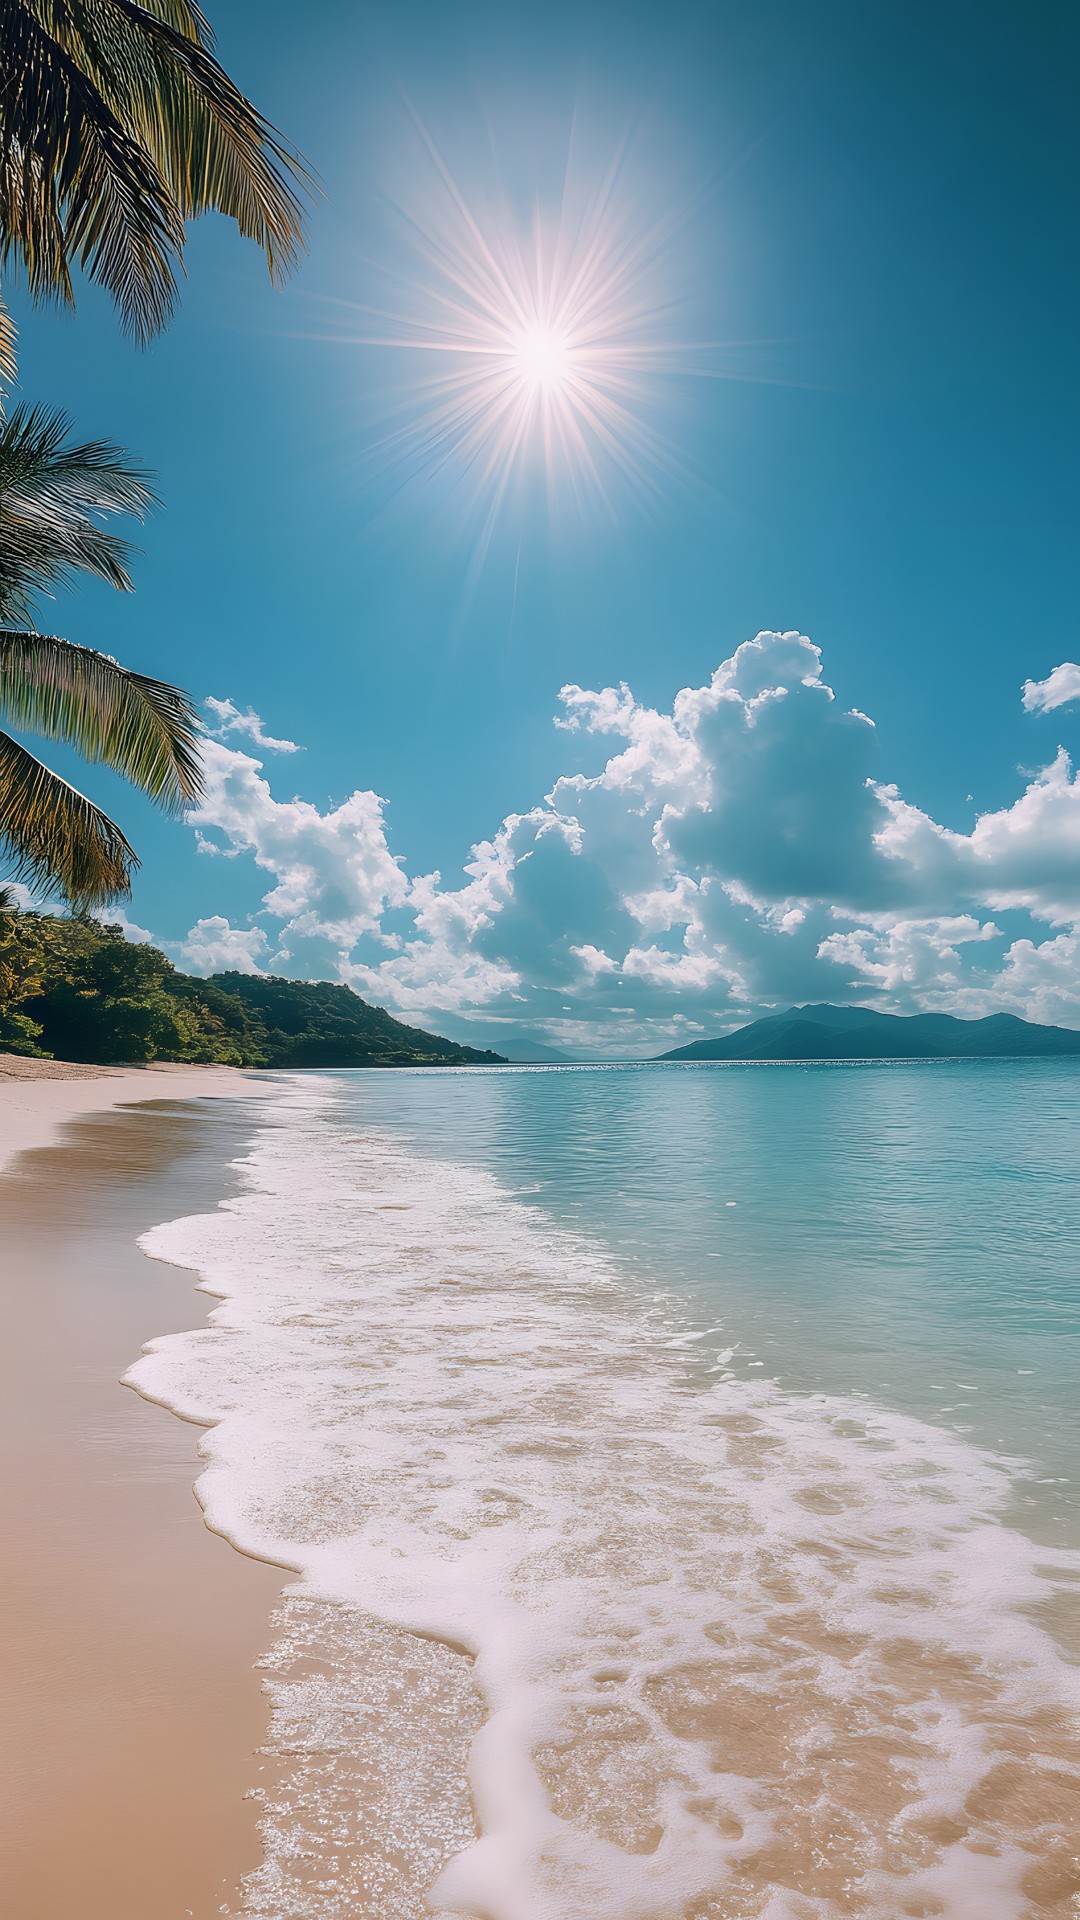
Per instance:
(656,1574)
(130,1630)
(37,1097)
(351,1418)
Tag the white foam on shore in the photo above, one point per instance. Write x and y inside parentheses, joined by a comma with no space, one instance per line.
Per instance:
(738,1652)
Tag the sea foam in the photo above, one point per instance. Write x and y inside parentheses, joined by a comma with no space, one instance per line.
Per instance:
(581,1630)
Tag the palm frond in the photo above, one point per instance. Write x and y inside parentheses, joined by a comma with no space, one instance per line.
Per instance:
(143,728)
(212,146)
(95,475)
(78,183)
(56,838)
(188,19)
(48,492)
(31,229)
(117,125)
(8,367)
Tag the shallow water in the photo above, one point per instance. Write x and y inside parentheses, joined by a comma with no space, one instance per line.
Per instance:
(910,1231)
(675,1463)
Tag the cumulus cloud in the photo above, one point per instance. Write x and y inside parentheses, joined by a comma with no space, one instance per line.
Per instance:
(920,958)
(740,851)
(230,719)
(1026,855)
(917,965)
(116,917)
(1040,980)
(213,946)
(335,875)
(788,811)
(1059,689)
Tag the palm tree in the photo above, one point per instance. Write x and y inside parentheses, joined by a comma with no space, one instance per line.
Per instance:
(117,126)
(52,497)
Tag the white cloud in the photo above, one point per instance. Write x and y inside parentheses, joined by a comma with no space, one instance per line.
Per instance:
(22,897)
(335,874)
(1026,855)
(213,946)
(447,965)
(738,851)
(230,719)
(658,755)
(1059,689)
(919,957)
(1039,980)
(116,917)
(594,961)
(696,972)
(918,963)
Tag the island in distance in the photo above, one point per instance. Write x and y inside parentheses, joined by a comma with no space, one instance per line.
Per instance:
(858,1033)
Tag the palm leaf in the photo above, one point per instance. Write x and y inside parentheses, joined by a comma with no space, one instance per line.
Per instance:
(8,368)
(78,184)
(117,124)
(144,729)
(48,492)
(211,145)
(57,839)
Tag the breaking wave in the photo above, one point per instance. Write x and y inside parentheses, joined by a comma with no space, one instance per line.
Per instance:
(582,1626)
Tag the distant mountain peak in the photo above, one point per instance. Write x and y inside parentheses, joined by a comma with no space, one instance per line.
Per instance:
(825,1032)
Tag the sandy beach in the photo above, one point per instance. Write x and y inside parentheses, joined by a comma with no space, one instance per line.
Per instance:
(622,1633)
(128,1632)
(38,1097)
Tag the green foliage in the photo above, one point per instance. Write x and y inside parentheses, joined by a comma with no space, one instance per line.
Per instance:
(22,977)
(75,990)
(54,836)
(80,991)
(313,1023)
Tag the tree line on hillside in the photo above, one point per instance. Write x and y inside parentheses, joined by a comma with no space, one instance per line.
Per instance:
(76,990)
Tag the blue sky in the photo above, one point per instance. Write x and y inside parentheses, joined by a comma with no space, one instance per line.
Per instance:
(879,255)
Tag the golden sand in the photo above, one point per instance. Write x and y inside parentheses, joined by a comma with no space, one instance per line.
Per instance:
(128,1632)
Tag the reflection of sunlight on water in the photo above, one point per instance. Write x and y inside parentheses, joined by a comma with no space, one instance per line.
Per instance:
(734,1651)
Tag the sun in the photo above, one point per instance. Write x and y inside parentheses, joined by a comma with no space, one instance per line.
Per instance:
(540,355)
(541,346)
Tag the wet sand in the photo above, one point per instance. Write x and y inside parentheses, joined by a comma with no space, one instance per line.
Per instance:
(128,1632)
(37,1097)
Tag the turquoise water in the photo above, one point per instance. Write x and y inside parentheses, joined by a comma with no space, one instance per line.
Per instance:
(910,1232)
(677,1467)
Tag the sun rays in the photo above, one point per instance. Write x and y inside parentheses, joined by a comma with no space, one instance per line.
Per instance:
(532,348)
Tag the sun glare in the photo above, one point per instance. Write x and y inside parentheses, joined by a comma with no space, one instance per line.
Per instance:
(541,357)
(535,343)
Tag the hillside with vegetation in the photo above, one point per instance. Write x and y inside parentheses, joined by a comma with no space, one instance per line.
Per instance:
(861,1033)
(71,989)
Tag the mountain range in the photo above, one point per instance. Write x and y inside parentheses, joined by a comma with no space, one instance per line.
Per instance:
(859,1033)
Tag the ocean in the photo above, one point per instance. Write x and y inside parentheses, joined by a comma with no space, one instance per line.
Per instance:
(679,1466)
